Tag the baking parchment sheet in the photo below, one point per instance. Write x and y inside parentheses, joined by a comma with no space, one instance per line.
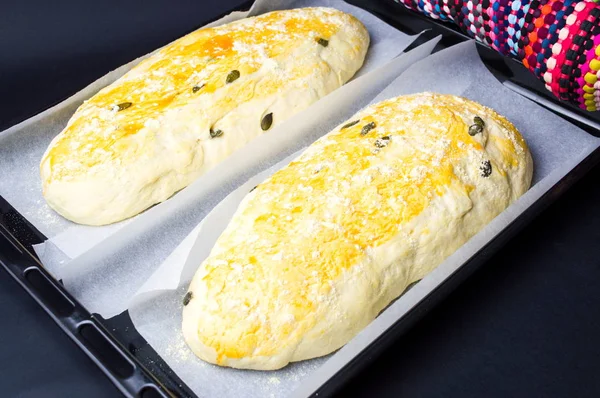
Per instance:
(22,146)
(556,146)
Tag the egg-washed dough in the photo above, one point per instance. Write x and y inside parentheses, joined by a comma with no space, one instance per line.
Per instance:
(315,252)
(148,135)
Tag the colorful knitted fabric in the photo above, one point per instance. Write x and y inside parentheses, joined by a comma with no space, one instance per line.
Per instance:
(557,40)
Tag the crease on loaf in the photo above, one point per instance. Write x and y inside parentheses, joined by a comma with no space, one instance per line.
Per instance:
(183,110)
(316,251)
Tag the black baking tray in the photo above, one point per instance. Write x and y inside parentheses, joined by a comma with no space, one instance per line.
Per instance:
(129,361)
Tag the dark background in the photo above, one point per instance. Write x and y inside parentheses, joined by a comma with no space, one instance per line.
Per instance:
(525,325)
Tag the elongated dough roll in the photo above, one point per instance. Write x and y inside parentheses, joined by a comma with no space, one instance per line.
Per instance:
(183,110)
(315,252)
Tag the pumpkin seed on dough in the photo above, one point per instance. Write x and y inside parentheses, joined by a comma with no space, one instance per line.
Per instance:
(367,127)
(266,121)
(187,298)
(195,89)
(232,76)
(215,133)
(486,169)
(475,129)
(323,42)
(383,141)
(122,106)
(347,125)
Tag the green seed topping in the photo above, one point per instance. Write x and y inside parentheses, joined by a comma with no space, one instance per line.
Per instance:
(195,89)
(215,133)
(345,126)
(122,106)
(266,122)
(367,127)
(475,129)
(486,169)
(383,141)
(323,42)
(232,76)
(187,298)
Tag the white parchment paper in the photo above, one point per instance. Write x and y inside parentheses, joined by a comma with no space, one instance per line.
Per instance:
(556,146)
(22,146)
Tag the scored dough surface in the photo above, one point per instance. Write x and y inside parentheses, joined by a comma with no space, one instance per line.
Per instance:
(316,251)
(183,110)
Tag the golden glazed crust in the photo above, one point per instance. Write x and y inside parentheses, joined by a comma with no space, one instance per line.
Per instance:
(147,135)
(314,253)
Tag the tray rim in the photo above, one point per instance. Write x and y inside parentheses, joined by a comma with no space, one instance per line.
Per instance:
(333,372)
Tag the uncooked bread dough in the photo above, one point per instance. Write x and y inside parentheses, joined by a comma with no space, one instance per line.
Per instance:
(183,110)
(315,252)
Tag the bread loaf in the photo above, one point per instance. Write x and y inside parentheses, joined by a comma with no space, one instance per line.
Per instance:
(316,251)
(184,109)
